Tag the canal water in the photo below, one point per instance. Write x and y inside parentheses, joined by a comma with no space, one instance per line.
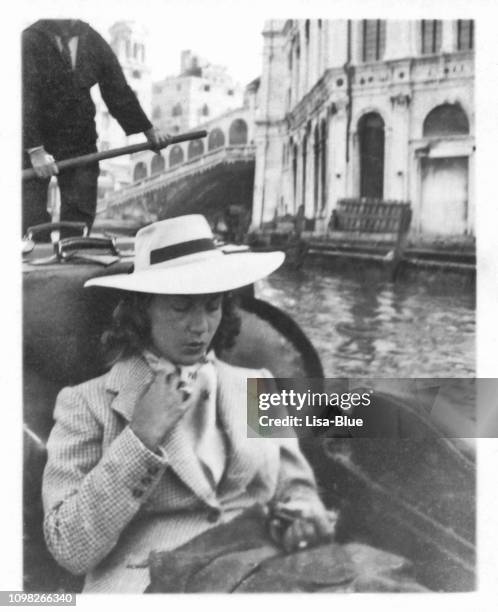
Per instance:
(363,325)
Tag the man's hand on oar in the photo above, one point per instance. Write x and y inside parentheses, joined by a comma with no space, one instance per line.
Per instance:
(157,138)
(43,163)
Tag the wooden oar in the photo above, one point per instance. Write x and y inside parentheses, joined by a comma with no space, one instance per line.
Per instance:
(82,160)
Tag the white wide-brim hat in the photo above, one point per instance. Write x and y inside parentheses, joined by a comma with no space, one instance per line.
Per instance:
(179,256)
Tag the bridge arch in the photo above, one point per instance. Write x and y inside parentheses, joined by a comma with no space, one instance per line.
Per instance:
(176,156)
(195,148)
(157,165)
(216,139)
(139,172)
(237,133)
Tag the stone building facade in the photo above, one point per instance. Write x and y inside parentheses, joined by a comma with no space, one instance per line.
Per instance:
(198,93)
(367,108)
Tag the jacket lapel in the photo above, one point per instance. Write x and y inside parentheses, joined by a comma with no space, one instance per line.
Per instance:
(246,455)
(129,380)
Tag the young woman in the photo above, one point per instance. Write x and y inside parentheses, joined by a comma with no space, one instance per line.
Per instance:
(155,452)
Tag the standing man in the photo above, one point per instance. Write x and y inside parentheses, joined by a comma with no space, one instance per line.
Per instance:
(62,60)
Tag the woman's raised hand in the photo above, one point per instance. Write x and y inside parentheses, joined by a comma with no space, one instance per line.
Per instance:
(300,523)
(165,401)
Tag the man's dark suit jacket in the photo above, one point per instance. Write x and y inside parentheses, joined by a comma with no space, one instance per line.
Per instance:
(58,110)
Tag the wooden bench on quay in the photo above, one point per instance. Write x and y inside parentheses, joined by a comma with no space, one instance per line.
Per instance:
(365,229)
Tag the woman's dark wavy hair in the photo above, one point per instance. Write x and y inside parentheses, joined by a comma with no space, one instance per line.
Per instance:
(129,332)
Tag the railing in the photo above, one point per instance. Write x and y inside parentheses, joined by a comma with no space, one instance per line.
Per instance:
(228,154)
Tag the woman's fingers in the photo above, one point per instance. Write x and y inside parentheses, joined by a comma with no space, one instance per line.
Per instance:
(300,534)
(325,523)
(304,532)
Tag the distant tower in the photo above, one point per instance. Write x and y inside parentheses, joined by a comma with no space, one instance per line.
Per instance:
(128,41)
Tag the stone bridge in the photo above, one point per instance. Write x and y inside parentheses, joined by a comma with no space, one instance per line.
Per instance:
(207,184)
(204,176)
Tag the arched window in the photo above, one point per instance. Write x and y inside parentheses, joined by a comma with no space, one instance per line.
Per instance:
(316,167)
(371,140)
(465,34)
(205,110)
(216,139)
(140,171)
(294,173)
(157,165)
(373,39)
(324,162)
(430,36)
(156,113)
(446,120)
(176,156)
(177,110)
(238,132)
(305,158)
(195,148)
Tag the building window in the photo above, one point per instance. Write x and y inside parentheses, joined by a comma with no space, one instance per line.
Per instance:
(316,168)
(465,34)
(323,147)
(294,174)
(238,132)
(207,87)
(371,140)
(136,74)
(205,110)
(373,39)
(430,35)
(178,87)
(177,110)
(305,160)
(307,31)
(230,92)
(176,156)
(216,139)
(446,120)
(156,113)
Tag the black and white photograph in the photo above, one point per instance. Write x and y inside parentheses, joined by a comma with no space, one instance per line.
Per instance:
(225,212)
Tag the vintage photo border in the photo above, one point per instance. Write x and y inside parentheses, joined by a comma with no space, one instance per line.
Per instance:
(485,14)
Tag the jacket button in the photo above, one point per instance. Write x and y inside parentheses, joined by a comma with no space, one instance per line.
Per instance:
(153,470)
(137,492)
(146,480)
(213,515)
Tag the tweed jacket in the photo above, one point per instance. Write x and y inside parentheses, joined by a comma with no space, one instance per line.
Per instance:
(109,500)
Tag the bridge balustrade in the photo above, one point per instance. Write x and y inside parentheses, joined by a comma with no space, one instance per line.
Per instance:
(149,187)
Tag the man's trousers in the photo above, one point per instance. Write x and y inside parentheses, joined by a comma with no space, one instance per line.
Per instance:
(78,190)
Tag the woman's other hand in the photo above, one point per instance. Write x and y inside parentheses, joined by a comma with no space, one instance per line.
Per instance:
(165,401)
(301,523)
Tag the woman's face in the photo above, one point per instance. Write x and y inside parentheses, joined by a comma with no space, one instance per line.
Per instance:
(183,326)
